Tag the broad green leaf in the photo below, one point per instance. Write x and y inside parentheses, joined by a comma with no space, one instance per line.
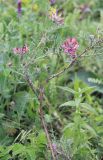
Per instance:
(88,108)
(69,103)
(87,89)
(67,89)
(90,130)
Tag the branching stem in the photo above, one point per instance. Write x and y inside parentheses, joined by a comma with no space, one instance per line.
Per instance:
(74,60)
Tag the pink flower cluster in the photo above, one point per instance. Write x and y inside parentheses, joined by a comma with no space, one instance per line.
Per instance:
(70,47)
(21,51)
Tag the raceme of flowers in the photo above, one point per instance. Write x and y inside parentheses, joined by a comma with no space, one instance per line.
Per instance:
(21,51)
(70,47)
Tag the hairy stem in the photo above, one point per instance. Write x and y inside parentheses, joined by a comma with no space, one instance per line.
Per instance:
(43,122)
(40,98)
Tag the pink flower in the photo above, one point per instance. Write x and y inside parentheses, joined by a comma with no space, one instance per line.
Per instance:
(21,51)
(70,47)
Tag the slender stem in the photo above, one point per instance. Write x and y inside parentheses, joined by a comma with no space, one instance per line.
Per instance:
(43,122)
(40,98)
(30,83)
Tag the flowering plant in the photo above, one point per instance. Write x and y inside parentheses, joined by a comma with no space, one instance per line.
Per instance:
(51,109)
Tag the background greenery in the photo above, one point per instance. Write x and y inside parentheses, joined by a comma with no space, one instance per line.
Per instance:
(73,103)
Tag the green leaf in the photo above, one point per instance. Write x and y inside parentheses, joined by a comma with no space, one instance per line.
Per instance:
(68,126)
(69,103)
(17,148)
(48,118)
(21,99)
(86,107)
(91,130)
(31,152)
(67,89)
(87,89)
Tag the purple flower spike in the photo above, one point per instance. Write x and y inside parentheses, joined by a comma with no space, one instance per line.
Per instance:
(19,7)
(52,2)
(70,47)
